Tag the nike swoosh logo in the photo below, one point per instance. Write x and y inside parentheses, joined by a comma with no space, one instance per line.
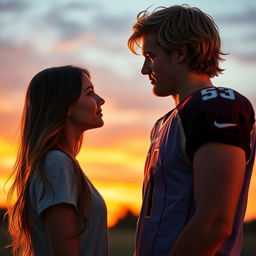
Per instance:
(223,125)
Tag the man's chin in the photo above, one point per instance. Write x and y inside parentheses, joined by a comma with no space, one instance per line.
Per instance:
(159,93)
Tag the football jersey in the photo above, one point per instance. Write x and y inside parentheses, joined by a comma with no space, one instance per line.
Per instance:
(212,114)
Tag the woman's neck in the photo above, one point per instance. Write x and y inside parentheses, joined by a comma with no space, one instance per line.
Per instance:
(70,141)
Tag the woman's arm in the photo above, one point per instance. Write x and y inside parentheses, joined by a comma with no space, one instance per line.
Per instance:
(62,232)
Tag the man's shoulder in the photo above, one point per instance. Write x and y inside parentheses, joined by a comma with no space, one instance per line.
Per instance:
(216,99)
(217,114)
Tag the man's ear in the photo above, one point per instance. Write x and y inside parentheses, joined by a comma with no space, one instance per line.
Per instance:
(182,53)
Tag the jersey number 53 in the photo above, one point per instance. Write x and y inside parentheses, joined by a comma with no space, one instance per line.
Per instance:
(214,92)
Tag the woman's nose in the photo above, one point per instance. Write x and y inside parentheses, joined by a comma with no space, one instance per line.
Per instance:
(100,100)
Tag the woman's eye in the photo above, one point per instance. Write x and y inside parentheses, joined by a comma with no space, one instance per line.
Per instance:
(90,92)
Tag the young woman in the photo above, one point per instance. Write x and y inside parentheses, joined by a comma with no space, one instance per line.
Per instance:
(58,211)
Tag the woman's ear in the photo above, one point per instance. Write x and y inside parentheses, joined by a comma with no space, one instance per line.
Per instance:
(69,111)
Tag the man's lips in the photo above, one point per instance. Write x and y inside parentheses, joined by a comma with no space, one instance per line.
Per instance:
(152,79)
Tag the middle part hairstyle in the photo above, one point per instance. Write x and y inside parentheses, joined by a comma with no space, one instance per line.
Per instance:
(48,97)
(182,25)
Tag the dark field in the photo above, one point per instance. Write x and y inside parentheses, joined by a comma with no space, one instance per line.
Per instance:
(121,242)
(121,238)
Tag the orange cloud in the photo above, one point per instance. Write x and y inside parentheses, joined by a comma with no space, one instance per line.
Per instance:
(68,46)
(116,171)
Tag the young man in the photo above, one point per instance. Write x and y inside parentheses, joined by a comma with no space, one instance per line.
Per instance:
(200,161)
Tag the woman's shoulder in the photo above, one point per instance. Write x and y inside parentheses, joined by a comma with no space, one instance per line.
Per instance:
(57,158)
(55,155)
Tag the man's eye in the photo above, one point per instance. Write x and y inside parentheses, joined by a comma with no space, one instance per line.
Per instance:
(150,57)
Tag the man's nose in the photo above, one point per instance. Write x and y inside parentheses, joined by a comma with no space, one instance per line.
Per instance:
(146,69)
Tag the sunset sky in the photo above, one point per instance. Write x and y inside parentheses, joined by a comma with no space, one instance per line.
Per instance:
(35,35)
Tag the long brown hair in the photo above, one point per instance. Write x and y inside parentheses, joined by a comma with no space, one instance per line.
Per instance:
(182,25)
(48,97)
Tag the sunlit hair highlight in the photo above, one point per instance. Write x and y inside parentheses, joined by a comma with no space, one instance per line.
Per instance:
(48,97)
(182,25)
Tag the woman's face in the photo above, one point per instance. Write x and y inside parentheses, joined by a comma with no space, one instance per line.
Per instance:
(86,113)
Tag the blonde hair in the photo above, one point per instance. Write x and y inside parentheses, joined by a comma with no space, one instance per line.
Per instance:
(48,97)
(182,25)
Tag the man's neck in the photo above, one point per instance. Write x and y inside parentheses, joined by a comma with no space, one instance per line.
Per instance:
(194,83)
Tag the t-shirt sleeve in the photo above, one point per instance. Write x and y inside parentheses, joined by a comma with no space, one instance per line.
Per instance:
(60,185)
(223,120)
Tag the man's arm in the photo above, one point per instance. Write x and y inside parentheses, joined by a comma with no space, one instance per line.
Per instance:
(218,179)
(61,227)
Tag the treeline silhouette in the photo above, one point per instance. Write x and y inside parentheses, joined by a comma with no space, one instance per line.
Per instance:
(124,229)
(2,220)
(129,222)
(250,227)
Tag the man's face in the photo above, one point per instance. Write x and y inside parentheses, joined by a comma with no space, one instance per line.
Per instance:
(160,66)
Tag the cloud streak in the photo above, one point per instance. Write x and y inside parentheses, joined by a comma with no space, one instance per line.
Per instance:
(245,17)
(13,6)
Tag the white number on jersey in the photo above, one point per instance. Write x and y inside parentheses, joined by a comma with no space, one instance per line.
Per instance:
(212,92)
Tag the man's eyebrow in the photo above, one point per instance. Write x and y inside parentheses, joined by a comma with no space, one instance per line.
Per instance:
(147,52)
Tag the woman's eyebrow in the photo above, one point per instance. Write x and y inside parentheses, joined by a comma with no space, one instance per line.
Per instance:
(89,87)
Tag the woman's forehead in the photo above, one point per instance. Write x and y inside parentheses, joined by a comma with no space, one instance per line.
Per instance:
(86,81)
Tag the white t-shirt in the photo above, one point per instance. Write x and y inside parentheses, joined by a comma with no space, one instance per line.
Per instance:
(62,188)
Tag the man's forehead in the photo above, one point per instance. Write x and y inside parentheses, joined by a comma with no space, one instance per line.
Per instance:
(148,42)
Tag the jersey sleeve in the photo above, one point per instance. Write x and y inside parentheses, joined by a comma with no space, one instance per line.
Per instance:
(217,115)
(60,185)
